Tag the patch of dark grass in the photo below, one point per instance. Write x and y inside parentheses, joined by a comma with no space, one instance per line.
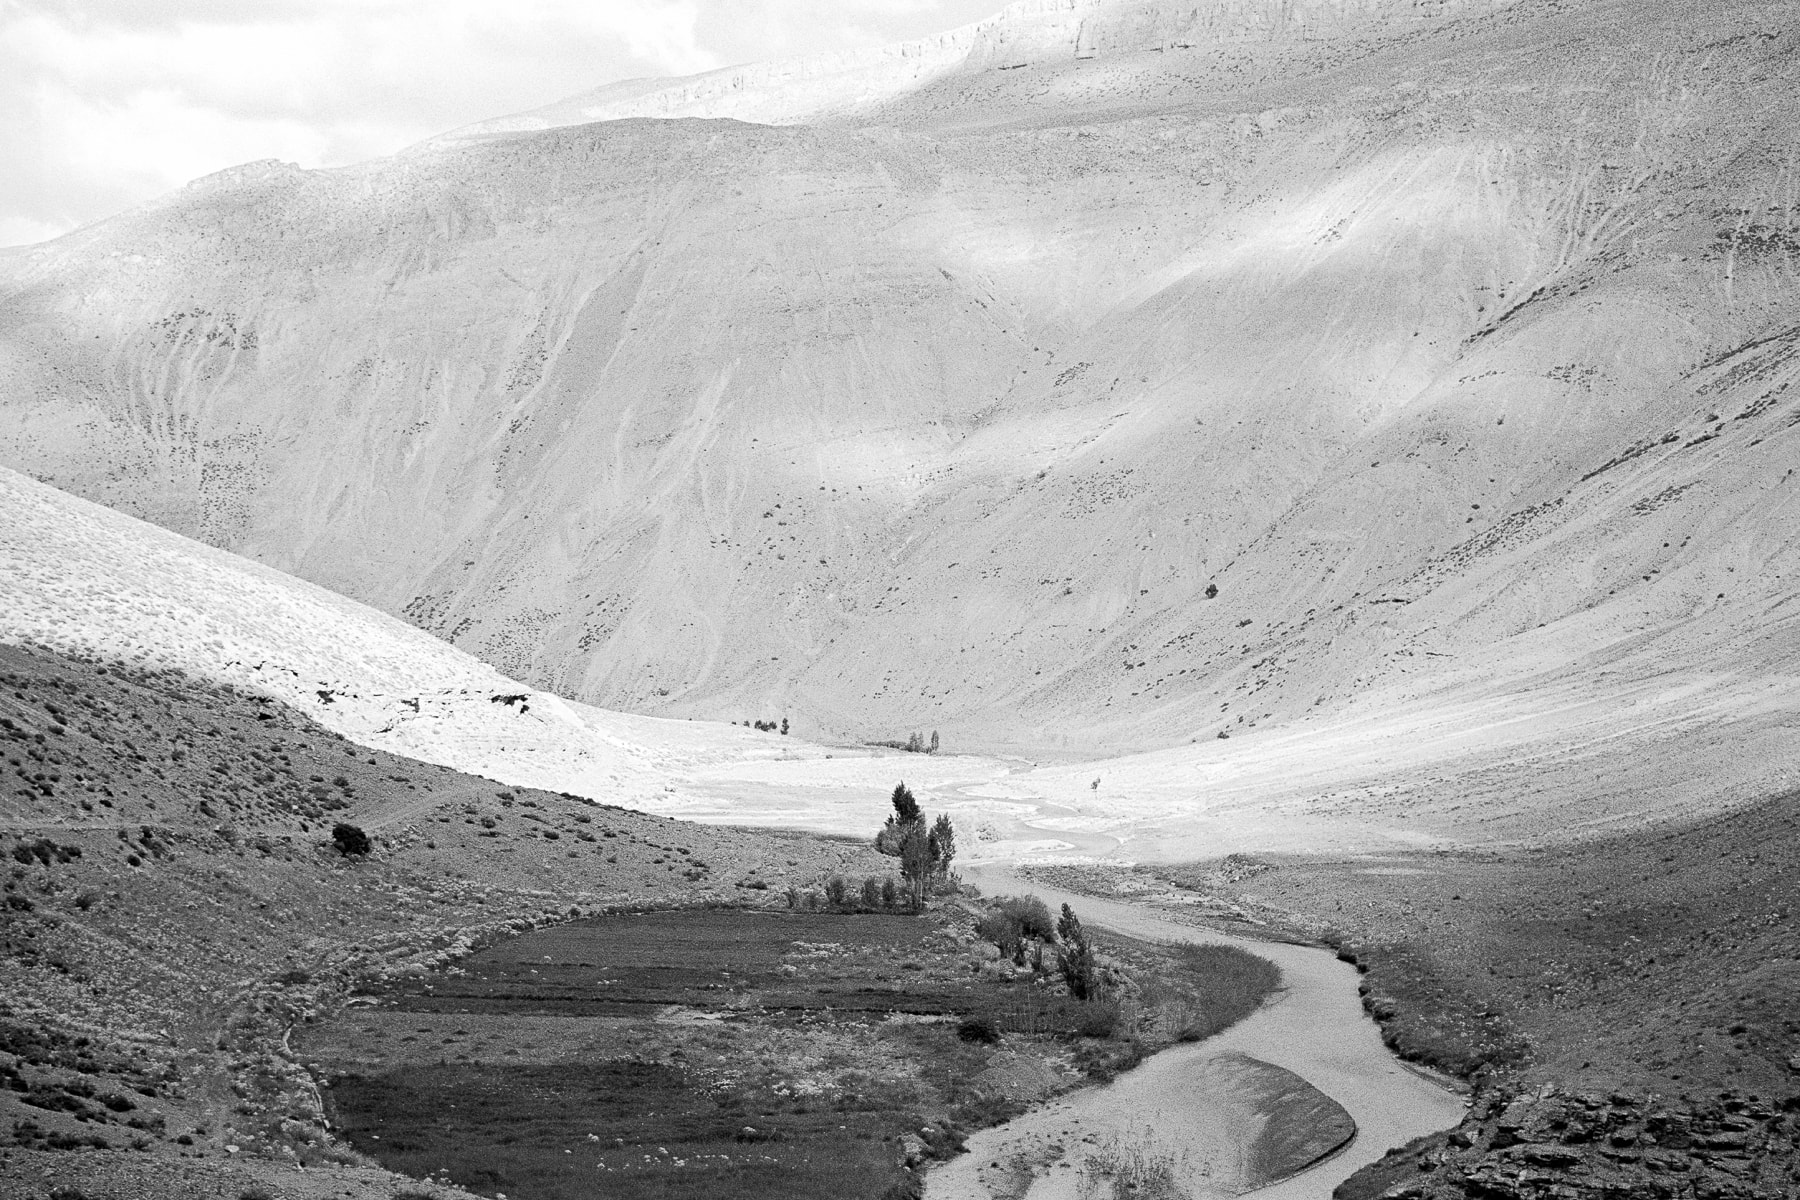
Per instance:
(707,959)
(979,1027)
(1430,1019)
(622,1129)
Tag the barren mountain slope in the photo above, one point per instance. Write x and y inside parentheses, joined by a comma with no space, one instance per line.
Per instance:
(84,580)
(1456,354)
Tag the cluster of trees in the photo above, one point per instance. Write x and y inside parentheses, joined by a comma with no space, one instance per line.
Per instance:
(841,895)
(925,851)
(916,743)
(768,726)
(1020,927)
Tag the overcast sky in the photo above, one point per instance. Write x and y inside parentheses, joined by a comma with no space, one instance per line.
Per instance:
(105,103)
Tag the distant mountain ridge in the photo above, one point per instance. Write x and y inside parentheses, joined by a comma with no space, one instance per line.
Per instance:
(1025,33)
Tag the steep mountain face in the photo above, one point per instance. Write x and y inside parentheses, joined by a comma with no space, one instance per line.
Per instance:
(1126,374)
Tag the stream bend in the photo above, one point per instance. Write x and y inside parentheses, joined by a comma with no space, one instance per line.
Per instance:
(1185,1105)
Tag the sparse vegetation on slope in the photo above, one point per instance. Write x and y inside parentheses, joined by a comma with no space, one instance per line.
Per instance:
(156,953)
(1653,961)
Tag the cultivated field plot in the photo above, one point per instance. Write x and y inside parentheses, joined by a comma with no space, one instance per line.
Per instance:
(723,959)
(720,1052)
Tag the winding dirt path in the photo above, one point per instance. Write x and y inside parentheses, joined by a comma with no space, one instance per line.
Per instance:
(1173,1108)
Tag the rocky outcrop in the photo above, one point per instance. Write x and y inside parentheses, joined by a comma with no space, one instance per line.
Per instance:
(1574,1146)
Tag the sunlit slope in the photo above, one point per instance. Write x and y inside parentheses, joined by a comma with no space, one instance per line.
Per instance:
(1028,33)
(82,579)
(1099,402)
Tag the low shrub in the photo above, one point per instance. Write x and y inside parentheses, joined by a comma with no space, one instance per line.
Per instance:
(1032,915)
(350,840)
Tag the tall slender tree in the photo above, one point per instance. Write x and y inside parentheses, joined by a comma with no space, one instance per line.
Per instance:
(915,862)
(1075,959)
(943,847)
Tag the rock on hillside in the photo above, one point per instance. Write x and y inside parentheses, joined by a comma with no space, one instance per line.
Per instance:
(1198,385)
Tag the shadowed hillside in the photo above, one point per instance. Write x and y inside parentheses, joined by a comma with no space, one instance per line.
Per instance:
(174,907)
(1104,394)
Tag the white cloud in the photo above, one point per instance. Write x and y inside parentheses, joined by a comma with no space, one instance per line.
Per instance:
(106,103)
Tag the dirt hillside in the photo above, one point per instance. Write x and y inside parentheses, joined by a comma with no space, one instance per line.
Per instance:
(174,905)
(1100,396)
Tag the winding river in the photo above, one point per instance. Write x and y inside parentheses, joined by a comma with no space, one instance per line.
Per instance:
(1184,1108)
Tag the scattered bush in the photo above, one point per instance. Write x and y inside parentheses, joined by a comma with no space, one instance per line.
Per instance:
(1015,921)
(1000,929)
(978,1027)
(1032,915)
(350,840)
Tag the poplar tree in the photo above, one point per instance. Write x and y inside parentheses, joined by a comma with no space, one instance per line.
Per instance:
(1076,957)
(943,847)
